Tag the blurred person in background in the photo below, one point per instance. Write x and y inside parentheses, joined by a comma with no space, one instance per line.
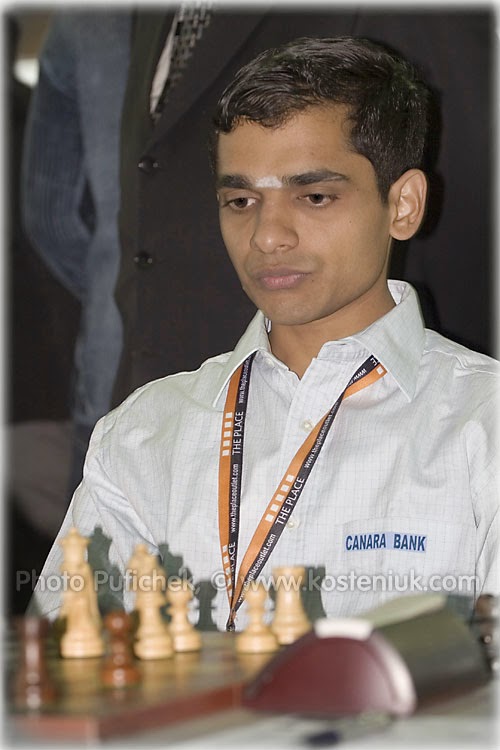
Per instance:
(71,193)
(42,319)
(65,328)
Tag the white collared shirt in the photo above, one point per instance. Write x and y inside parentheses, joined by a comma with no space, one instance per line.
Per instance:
(405,488)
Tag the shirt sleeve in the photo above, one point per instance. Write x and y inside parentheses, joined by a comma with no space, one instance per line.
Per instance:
(482,454)
(488,563)
(99,511)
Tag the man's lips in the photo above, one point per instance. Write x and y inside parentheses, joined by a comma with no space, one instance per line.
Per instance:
(279,278)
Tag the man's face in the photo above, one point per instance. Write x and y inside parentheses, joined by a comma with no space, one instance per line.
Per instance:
(303,221)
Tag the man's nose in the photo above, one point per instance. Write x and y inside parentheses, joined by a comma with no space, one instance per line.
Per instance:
(274,229)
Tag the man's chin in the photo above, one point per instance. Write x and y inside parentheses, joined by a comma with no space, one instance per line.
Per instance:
(287,318)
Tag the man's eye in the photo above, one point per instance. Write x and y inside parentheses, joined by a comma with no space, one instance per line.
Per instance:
(319,199)
(239,204)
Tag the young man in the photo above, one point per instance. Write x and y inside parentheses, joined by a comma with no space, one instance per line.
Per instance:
(339,434)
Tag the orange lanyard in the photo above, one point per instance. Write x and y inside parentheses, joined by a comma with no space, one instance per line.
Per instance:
(287,494)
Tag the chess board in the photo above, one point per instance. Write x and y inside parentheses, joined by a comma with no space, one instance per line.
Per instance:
(184,687)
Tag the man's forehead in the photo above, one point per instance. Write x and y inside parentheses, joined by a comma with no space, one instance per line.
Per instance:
(306,141)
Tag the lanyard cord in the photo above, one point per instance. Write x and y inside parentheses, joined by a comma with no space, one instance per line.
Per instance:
(287,494)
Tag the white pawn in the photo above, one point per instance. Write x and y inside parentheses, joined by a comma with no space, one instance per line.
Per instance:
(152,640)
(185,637)
(290,620)
(258,637)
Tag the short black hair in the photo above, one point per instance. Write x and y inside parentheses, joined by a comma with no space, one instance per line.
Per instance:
(387,101)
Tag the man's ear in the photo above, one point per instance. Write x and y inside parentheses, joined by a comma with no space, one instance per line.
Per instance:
(407,197)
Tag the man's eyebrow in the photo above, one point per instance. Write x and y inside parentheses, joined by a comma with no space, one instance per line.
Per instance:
(317,175)
(240,182)
(235,181)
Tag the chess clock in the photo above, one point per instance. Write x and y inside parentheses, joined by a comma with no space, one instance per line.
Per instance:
(407,653)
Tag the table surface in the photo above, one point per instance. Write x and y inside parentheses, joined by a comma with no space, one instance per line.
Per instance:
(194,700)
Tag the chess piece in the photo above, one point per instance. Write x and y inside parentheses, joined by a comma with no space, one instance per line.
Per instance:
(205,594)
(82,638)
(77,576)
(258,637)
(184,635)
(33,687)
(118,669)
(148,580)
(290,620)
(82,634)
(145,573)
(153,640)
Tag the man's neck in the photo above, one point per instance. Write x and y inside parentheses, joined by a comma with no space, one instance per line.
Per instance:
(296,346)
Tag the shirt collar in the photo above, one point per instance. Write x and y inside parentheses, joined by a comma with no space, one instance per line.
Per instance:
(254,339)
(396,340)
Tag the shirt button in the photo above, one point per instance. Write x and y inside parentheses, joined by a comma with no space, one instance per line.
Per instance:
(148,164)
(293,523)
(143,260)
(307,425)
